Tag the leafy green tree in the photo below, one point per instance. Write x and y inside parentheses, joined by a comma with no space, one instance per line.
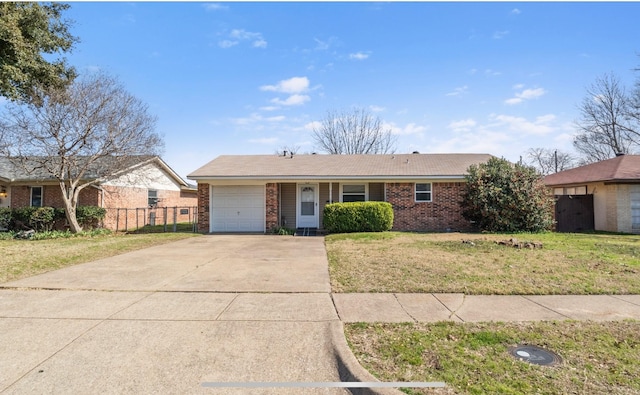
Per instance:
(27,32)
(505,197)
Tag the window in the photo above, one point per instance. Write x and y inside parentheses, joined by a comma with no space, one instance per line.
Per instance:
(354,193)
(423,192)
(36,196)
(152,196)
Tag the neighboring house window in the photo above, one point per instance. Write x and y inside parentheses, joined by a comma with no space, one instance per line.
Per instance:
(36,196)
(423,192)
(635,207)
(152,196)
(354,193)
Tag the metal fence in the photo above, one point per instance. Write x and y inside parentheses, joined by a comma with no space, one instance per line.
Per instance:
(152,219)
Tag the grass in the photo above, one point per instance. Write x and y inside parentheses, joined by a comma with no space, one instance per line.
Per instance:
(24,258)
(598,358)
(440,263)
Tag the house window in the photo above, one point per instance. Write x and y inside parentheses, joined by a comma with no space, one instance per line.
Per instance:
(423,192)
(36,196)
(152,197)
(354,192)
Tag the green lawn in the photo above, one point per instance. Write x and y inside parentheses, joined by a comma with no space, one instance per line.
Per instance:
(24,258)
(473,358)
(441,263)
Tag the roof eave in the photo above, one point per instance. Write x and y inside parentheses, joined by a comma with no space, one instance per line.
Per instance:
(327,178)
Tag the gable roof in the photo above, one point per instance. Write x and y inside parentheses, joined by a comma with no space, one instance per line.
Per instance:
(338,166)
(10,172)
(624,168)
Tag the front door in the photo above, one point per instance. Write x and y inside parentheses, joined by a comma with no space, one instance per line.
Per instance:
(307,206)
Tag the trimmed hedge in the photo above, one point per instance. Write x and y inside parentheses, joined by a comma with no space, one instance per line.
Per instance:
(358,217)
(48,218)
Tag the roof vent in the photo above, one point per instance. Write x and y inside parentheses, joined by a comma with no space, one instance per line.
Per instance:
(619,153)
(416,152)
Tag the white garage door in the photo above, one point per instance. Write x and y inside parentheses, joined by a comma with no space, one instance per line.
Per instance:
(238,208)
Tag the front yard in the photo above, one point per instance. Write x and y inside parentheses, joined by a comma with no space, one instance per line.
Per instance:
(473,358)
(441,263)
(24,258)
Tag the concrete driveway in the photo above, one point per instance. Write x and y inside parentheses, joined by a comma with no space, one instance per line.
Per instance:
(166,319)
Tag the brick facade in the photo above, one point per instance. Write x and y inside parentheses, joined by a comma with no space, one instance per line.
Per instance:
(203,207)
(271,206)
(443,213)
(51,196)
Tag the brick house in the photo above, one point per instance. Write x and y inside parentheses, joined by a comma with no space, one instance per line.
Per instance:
(148,183)
(610,190)
(255,193)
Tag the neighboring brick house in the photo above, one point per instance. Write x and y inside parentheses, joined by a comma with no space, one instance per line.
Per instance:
(609,192)
(255,193)
(135,195)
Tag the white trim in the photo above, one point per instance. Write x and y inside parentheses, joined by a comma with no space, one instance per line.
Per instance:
(316,197)
(275,178)
(415,192)
(366,189)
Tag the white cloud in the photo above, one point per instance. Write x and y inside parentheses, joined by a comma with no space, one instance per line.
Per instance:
(464,125)
(313,125)
(376,108)
(458,91)
(526,94)
(237,36)
(323,45)
(540,127)
(269,108)
(409,129)
(491,73)
(215,7)
(293,100)
(227,43)
(500,34)
(278,118)
(516,11)
(292,85)
(358,56)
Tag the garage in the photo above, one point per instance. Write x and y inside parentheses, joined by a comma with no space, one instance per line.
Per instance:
(237,208)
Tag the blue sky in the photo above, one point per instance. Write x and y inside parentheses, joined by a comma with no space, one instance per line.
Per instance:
(248,78)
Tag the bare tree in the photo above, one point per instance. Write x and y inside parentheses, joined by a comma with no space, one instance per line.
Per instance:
(353,132)
(288,150)
(548,161)
(80,136)
(606,127)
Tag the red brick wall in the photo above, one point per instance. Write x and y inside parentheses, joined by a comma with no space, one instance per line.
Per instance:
(51,196)
(203,207)
(443,213)
(272,212)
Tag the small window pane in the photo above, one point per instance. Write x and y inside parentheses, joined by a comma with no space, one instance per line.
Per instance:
(581,190)
(36,196)
(307,208)
(423,192)
(558,191)
(353,198)
(423,187)
(152,197)
(353,188)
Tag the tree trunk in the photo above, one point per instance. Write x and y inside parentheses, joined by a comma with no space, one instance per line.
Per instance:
(69,197)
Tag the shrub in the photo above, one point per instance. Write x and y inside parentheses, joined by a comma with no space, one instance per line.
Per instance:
(502,197)
(358,217)
(5,217)
(37,218)
(90,216)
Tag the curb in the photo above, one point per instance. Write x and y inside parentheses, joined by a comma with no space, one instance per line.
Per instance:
(349,369)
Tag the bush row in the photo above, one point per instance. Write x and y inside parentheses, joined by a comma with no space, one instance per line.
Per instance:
(358,217)
(48,218)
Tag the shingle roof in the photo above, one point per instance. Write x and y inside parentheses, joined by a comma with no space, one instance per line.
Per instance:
(623,168)
(338,166)
(10,172)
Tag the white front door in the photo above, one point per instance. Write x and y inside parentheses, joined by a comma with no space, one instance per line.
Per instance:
(307,210)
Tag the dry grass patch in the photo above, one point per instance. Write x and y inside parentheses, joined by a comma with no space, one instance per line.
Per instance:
(598,358)
(24,258)
(442,263)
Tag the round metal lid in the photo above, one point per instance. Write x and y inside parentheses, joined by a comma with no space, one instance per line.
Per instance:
(535,355)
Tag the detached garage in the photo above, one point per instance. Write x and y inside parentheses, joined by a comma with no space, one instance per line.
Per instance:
(237,208)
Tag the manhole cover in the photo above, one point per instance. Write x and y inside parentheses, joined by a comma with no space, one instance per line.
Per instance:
(535,355)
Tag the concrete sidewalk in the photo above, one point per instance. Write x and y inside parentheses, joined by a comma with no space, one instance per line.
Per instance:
(390,307)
